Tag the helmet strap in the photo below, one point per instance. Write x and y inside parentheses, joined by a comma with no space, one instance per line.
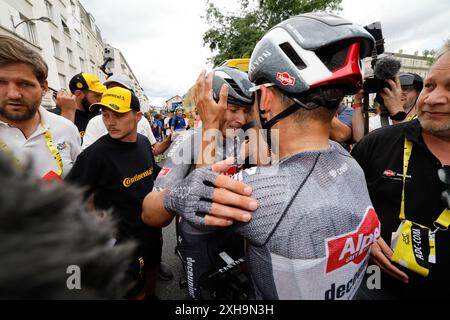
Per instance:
(294,107)
(268,125)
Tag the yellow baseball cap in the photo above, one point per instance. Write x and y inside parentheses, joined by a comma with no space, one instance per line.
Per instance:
(86,81)
(119,100)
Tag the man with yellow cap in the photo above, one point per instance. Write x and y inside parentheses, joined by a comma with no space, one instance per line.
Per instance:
(118,171)
(85,90)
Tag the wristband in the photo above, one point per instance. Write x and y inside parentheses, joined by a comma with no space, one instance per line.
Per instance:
(356,105)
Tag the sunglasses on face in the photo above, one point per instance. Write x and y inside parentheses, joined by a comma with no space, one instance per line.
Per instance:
(444,176)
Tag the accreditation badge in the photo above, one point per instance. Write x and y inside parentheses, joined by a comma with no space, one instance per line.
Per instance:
(414,247)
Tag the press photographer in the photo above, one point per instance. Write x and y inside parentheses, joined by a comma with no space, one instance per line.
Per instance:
(396,95)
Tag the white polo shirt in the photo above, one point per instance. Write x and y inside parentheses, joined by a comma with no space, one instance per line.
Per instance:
(96,129)
(34,150)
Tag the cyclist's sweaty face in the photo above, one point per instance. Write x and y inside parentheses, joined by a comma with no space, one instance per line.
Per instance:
(234,118)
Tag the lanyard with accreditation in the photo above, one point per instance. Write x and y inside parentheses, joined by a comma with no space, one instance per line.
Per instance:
(51,146)
(414,245)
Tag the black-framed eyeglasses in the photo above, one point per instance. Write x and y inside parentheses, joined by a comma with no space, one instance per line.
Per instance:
(444,176)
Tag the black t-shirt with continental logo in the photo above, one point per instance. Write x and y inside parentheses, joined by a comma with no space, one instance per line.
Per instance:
(380,154)
(120,175)
(82,119)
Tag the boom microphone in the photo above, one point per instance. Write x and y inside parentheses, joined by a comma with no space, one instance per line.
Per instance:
(386,68)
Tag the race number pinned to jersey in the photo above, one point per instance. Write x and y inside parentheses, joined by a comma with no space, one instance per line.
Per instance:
(353,247)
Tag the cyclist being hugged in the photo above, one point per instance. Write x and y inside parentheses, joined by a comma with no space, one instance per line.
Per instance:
(309,236)
(199,249)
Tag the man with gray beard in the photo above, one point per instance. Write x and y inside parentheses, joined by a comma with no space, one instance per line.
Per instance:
(407,171)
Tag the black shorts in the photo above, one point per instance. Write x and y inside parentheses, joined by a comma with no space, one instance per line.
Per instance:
(146,256)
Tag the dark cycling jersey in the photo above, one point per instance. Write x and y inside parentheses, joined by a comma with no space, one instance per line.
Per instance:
(198,249)
(311,234)
(183,154)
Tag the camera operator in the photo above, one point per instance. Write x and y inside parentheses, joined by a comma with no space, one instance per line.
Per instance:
(398,99)
(407,171)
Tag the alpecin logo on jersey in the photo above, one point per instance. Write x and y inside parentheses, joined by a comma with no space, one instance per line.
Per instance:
(353,247)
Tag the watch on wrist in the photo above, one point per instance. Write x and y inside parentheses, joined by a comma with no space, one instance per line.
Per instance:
(399,116)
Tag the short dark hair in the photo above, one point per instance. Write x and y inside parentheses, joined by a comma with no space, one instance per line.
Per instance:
(315,102)
(13,51)
(44,230)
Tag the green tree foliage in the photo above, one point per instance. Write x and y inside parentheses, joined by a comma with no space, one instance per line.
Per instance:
(234,35)
(430,55)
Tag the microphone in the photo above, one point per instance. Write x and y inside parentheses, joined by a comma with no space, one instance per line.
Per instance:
(386,68)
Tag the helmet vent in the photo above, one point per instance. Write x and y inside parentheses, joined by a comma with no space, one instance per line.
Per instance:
(333,57)
(235,86)
(293,56)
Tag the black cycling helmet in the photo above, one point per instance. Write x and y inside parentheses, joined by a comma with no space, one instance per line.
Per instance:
(238,84)
(310,51)
(411,79)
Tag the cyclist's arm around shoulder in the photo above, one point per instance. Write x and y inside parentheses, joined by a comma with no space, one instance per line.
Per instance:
(153,212)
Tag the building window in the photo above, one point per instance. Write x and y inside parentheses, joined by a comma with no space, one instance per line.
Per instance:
(73,8)
(28,29)
(62,81)
(12,21)
(56,49)
(49,7)
(82,65)
(70,56)
(65,27)
(78,37)
(92,67)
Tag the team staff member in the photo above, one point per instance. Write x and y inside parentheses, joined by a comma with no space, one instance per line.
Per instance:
(119,169)
(85,90)
(391,173)
(27,130)
(96,128)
